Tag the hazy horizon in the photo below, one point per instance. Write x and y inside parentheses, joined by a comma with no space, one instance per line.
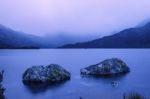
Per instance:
(76,17)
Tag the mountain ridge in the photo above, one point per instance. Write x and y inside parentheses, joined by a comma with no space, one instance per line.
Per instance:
(11,39)
(138,37)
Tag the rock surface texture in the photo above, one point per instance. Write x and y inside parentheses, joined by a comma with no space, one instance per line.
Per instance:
(106,67)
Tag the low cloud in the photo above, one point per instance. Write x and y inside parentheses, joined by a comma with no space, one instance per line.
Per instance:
(79,17)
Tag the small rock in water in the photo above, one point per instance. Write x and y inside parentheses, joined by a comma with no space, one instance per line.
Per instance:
(114,83)
(49,74)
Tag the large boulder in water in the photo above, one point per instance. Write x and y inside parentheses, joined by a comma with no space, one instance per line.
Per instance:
(49,74)
(106,67)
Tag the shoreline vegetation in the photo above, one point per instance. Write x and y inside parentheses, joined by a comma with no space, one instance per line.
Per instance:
(2,89)
(130,95)
(133,95)
(72,48)
(25,47)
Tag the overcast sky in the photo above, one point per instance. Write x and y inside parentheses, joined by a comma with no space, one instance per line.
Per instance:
(73,16)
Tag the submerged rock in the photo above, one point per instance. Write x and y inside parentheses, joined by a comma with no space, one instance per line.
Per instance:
(114,83)
(49,74)
(106,67)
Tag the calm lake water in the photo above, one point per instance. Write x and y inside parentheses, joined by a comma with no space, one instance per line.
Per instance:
(15,62)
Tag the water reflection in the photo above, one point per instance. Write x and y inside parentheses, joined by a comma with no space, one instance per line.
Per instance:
(104,79)
(41,88)
(105,76)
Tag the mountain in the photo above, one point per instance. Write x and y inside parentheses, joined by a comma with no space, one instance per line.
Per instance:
(138,37)
(14,39)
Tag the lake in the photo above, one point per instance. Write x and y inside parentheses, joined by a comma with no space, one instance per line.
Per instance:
(15,62)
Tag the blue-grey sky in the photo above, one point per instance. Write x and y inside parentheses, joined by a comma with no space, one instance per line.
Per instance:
(72,16)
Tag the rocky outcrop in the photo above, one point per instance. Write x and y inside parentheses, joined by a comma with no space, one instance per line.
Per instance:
(49,74)
(106,67)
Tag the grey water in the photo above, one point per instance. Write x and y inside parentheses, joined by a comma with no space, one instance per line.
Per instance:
(15,62)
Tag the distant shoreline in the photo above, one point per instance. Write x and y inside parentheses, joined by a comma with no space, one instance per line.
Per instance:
(72,48)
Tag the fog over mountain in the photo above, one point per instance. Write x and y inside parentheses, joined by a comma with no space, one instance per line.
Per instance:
(10,38)
(53,23)
(138,37)
(72,17)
